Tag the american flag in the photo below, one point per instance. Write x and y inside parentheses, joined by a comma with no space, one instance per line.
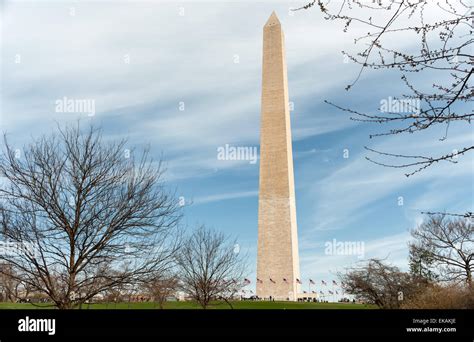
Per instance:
(334,282)
(311,281)
(298,281)
(323,282)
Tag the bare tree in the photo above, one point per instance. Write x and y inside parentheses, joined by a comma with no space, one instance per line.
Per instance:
(160,287)
(114,294)
(209,267)
(9,285)
(93,214)
(449,245)
(378,283)
(444,55)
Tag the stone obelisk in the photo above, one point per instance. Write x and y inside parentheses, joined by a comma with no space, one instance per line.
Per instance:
(277,259)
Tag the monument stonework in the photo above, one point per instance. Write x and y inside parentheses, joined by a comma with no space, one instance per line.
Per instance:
(277,257)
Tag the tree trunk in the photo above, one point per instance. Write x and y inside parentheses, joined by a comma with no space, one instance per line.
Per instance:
(468,275)
(228,302)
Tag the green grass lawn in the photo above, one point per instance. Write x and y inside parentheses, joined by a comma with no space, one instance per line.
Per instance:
(194,305)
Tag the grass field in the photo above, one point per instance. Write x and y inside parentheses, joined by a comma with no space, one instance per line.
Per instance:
(193,305)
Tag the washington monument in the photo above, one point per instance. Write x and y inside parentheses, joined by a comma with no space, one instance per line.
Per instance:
(277,259)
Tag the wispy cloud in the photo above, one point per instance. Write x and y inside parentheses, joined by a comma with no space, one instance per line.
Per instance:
(392,249)
(356,185)
(223,197)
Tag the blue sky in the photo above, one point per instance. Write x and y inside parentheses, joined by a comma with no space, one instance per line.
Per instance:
(207,56)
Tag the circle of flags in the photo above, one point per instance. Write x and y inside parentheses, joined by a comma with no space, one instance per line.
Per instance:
(311,282)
